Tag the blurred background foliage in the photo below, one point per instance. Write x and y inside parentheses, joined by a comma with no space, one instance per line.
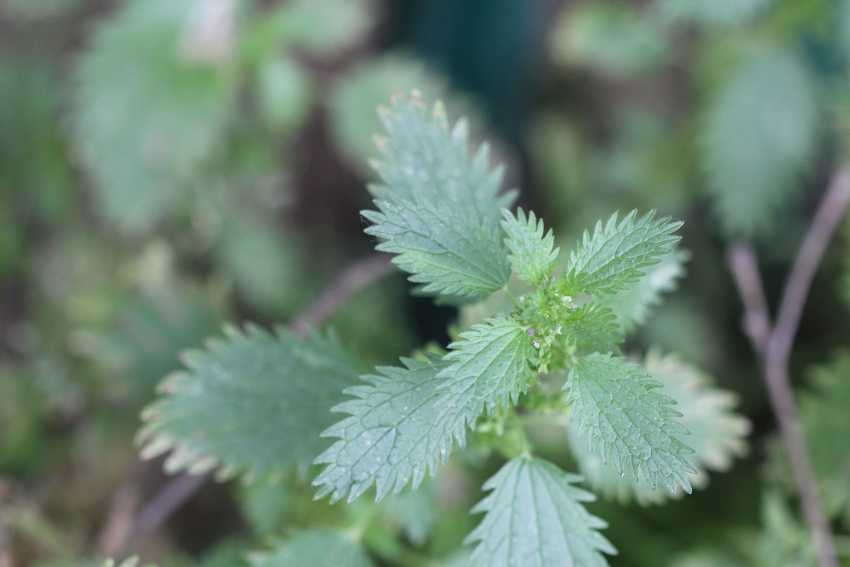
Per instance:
(167,166)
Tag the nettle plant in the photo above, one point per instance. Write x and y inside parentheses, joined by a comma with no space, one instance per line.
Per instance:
(256,403)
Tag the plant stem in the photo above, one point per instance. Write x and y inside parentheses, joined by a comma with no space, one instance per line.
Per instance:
(774,347)
(511,296)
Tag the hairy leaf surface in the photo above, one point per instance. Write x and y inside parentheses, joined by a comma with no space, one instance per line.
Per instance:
(535,518)
(405,421)
(490,366)
(717,433)
(594,329)
(450,249)
(614,403)
(634,305)
(531,255)
(252,402)
(422,159)
(438,210)
(316,548)
(401,425)
(616,256)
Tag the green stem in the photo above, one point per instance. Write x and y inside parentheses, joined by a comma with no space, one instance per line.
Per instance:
(511,296)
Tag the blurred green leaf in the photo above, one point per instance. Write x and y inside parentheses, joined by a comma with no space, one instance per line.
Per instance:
(611,38)
(324,28)
(265,261)
(266,505)
(826,423)
(716,433)
(251,403)
(634,305)
(354,102)
(284,93)
(759,138)
(148,114)
(415,511)
(713,13)
(34,166)
(316,548)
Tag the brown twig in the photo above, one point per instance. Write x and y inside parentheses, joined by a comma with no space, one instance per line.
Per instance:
(776,351)
(180,488)
(742,260)
(355,278)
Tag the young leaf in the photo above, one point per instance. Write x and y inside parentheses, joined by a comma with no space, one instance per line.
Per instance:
(316,548)
(423,159)
(753,165)
(634,305)
(717,433)
(615,256)
(593,329)
(531,252)
(535,517)
(450,249)
(251,403)
(437,210)
(401,424)
(490,366)
(613,401)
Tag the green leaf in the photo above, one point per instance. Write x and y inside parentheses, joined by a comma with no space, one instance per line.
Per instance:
(266,262)
(593,328)
(535,518)
(415,511)
(633,306)
(714,13)
(532,256)
(316,548)
(760,136)
(284,94)
(401,425)
(251,403)
(490,366)
(826,422)
(717,433)
(149,114)
(611,38)
(324,28)
(438,210)
(451,250)
(370,82)
(266,505)
(421,158)
(614,258)
(613,401)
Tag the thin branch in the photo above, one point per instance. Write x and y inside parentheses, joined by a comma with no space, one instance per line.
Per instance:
(831,210)
(165,502)
(180,488)
(743,263)
(354,279)
(775,353)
